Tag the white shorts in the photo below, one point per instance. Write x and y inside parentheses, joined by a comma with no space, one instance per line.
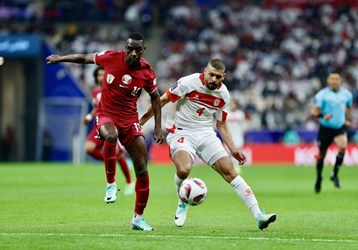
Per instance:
(206,145)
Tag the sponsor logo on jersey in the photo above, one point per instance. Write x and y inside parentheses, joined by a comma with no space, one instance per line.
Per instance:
(110,78)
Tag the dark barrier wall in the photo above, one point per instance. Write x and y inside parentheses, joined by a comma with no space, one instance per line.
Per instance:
(21,74)
(27,79)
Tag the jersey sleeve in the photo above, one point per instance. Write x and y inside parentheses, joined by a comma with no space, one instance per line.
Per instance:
(350,99)
(152,82)
(100,58)
(177,91)
(221,114)
(318,99)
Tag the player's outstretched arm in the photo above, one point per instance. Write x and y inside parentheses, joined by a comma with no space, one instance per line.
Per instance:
(224,131)
(73,58)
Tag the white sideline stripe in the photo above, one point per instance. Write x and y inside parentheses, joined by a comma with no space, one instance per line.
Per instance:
(181,236)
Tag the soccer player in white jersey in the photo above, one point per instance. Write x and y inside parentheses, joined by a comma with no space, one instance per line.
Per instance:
(200,97)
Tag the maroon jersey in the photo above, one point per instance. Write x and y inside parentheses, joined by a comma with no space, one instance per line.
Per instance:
(122,86)
(96,96)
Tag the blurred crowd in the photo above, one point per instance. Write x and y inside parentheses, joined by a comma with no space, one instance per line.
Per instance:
(69,10)
(277,58)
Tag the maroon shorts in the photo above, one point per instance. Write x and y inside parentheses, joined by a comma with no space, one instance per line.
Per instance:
(93,136)
(127,132)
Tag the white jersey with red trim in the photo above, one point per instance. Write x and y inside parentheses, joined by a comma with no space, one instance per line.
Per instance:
(197,105)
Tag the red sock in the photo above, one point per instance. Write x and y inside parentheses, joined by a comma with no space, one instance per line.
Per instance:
(97,153)
(142,194)
(109,155)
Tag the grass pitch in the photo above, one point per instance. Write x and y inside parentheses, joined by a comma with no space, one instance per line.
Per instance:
(60,206)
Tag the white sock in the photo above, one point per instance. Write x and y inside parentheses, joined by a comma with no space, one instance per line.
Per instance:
(177,183)
(137,217)
(246,195)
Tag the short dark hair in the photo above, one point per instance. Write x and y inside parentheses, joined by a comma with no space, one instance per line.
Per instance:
(95,73)
(217,64)
(334,72)
(136,36)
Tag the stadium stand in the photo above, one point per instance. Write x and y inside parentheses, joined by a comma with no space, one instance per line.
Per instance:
(277,57)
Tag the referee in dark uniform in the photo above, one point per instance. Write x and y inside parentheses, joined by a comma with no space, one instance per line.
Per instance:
(332,107)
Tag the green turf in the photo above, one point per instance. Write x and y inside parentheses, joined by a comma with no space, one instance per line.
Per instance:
(60,206)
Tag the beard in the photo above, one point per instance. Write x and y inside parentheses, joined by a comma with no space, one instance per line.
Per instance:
(133,63)
(211,85)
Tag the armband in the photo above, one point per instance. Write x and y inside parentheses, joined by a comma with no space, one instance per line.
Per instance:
(89,117)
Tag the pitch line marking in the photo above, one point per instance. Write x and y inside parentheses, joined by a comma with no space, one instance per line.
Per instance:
(179,236)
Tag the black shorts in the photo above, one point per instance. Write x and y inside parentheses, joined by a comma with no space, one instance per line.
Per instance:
(326,135)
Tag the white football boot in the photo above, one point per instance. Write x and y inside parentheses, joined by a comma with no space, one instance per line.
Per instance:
(111,193)
(180,214)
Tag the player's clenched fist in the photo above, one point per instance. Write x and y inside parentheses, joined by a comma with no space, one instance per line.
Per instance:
(53,59)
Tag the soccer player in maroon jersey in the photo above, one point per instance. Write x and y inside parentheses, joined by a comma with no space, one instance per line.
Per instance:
(126,74)
(94,144)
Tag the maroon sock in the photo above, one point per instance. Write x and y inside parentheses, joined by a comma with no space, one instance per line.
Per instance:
(142,193)
(97,153)
(109,155)
(124,166)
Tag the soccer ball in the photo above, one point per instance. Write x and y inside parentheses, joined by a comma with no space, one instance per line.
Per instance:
(193,191)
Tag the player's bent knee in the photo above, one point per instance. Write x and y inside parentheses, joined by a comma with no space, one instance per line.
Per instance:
(183,174)
(111,138)
(89,150)
(109,133)
(140,171)
(89,147)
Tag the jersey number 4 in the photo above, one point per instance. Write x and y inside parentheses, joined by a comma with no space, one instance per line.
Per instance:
(181,140)
(200,111)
